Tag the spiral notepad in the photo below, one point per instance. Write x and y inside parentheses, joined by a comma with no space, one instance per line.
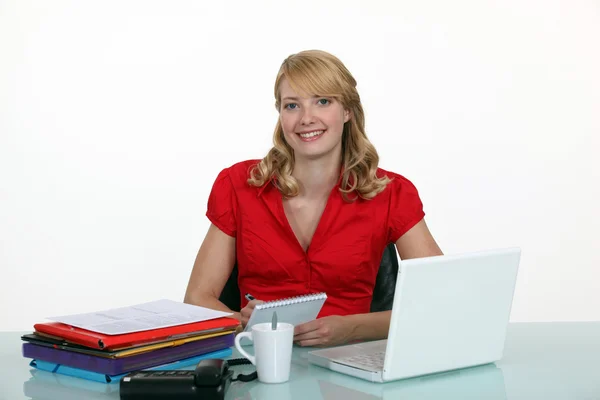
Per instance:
(293,310)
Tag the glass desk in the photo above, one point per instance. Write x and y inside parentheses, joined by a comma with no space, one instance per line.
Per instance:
(541,361)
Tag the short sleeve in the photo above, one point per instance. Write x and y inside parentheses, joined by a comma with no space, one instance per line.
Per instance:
(222,204)
(406,208)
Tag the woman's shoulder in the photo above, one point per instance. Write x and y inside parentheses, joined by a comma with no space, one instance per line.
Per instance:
(241,167)
(396,180)
(238,173)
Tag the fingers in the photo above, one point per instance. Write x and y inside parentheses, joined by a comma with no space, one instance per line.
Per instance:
(307,327)
(318,337)
(312,333)
(307,336)
(251,304)
(311,343)
(246,312)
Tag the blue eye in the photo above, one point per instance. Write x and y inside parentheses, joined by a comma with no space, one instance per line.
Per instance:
(289,106)
(325,100)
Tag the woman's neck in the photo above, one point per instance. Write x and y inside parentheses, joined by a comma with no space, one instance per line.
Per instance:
(318,176)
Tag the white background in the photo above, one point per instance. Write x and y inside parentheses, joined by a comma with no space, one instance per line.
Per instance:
(116,116)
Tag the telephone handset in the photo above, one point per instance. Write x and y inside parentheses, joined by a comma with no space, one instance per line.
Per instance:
(210,380)
(210,373)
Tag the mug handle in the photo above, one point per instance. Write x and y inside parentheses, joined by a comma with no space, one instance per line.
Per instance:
(239,347)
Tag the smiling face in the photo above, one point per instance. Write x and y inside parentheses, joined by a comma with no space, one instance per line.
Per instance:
(312,125)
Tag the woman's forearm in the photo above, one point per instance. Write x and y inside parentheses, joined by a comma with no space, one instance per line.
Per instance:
(371,326)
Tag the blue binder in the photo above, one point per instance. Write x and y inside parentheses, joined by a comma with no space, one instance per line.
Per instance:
(103,378)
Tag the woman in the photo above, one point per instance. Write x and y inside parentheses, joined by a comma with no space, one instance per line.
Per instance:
(314,215)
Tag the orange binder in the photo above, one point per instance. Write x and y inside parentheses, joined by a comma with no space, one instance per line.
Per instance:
(115,342)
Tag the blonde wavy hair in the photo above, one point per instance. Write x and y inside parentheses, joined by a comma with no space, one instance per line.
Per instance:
(318,72)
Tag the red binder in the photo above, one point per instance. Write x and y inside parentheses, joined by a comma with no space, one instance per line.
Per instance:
(114,342)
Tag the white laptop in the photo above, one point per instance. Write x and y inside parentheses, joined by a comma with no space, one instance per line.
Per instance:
(449,312)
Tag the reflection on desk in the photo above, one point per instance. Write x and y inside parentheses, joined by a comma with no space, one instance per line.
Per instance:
(483,382)
(316,383)
(45,385)
(549,361)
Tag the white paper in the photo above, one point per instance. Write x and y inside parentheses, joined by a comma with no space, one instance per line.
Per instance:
(141,317)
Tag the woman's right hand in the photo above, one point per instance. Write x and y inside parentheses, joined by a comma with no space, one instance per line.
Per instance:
(246,312)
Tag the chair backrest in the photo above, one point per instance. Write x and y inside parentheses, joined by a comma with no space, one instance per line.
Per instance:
(383,292)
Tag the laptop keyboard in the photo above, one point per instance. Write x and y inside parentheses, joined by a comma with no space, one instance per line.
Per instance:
(373,361)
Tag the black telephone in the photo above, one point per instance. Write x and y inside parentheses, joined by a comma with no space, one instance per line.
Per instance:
(210,380)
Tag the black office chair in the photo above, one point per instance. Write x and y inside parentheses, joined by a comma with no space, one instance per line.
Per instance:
(383,292)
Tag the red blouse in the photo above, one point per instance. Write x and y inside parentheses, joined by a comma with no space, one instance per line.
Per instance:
(345,252)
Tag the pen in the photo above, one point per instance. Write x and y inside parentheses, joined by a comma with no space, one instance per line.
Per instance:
(249,297)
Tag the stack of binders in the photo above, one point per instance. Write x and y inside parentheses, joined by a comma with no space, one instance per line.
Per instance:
(69,350)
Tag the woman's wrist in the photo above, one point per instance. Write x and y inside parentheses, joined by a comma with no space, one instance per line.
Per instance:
(357,327)
(371,326)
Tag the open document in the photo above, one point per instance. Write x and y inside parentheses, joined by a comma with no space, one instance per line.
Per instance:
(141,317)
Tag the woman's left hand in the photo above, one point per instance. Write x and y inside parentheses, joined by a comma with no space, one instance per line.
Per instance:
(327,331)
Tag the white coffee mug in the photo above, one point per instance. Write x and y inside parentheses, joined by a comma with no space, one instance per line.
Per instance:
(272,350)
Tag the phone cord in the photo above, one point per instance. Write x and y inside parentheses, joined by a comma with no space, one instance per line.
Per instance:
(241,377)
